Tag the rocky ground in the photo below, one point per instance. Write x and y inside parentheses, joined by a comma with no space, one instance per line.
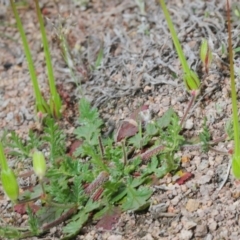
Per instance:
(139,66)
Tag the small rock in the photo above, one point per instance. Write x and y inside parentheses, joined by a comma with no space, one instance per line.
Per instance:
(186,234)
(208,237)
(192,205)
(201,230)
(219,218)
(204,179)
(212,226)
(188,224)
(116,237)
(147,237)
(147,88)
(9,116)
(175,200)
(203,165)
(189,124)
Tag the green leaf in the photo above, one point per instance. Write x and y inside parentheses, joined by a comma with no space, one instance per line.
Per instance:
(108,209)
(74,227)
(236,166)
(151,129)
(77,221)
(165,120)
(136,199)
(152,166)
(91,206)
(49,214)
(35,192)
(99,58)
(32,221)
(9,232)
(114,191)
(55,138)
(163,170)
(205,137)
(89,132)
(87,113)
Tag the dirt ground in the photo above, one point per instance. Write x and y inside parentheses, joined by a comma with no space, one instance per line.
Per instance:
(139,66)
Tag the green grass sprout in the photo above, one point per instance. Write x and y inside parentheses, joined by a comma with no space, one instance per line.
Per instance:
(236,154)
(55,100)
(190,78)
(8,178)
(205,54)
(41,104)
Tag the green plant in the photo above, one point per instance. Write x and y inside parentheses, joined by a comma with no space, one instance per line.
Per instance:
(205,54)
(41,104)
(8,178)
(236,154)
(102,177)
(205,137)
(190,78)
(55,101)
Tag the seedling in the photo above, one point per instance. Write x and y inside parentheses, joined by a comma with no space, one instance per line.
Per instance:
(41,104)
(190,78)
(54,107)
(236,154)
(104,174)
(205,54)
(55,101)
(8,178)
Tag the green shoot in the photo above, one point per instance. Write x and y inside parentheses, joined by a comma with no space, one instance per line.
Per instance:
(99,58)
(205,137)
(236,155)
(8,178)
(205,54)
(190,78)
(55,101)
(41,104)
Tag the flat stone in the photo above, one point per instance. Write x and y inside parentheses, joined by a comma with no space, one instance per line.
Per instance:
(192,205)
(186,234)
(188,224)
(204,179)
(201,230)
(147,237)
(212,226)
(116,237)
(189,124)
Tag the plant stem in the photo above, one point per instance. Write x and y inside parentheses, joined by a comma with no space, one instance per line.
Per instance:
(175,38)
(233,90)
(41,104)
(192,99)
(55,101)
(3,160)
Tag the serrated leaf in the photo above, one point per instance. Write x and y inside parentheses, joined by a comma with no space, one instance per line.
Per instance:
(74,226)
(48,214)
(165,120)
(151,129)
(88,132)
(91,205)
(9,232)
(136,199)
(87,113)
